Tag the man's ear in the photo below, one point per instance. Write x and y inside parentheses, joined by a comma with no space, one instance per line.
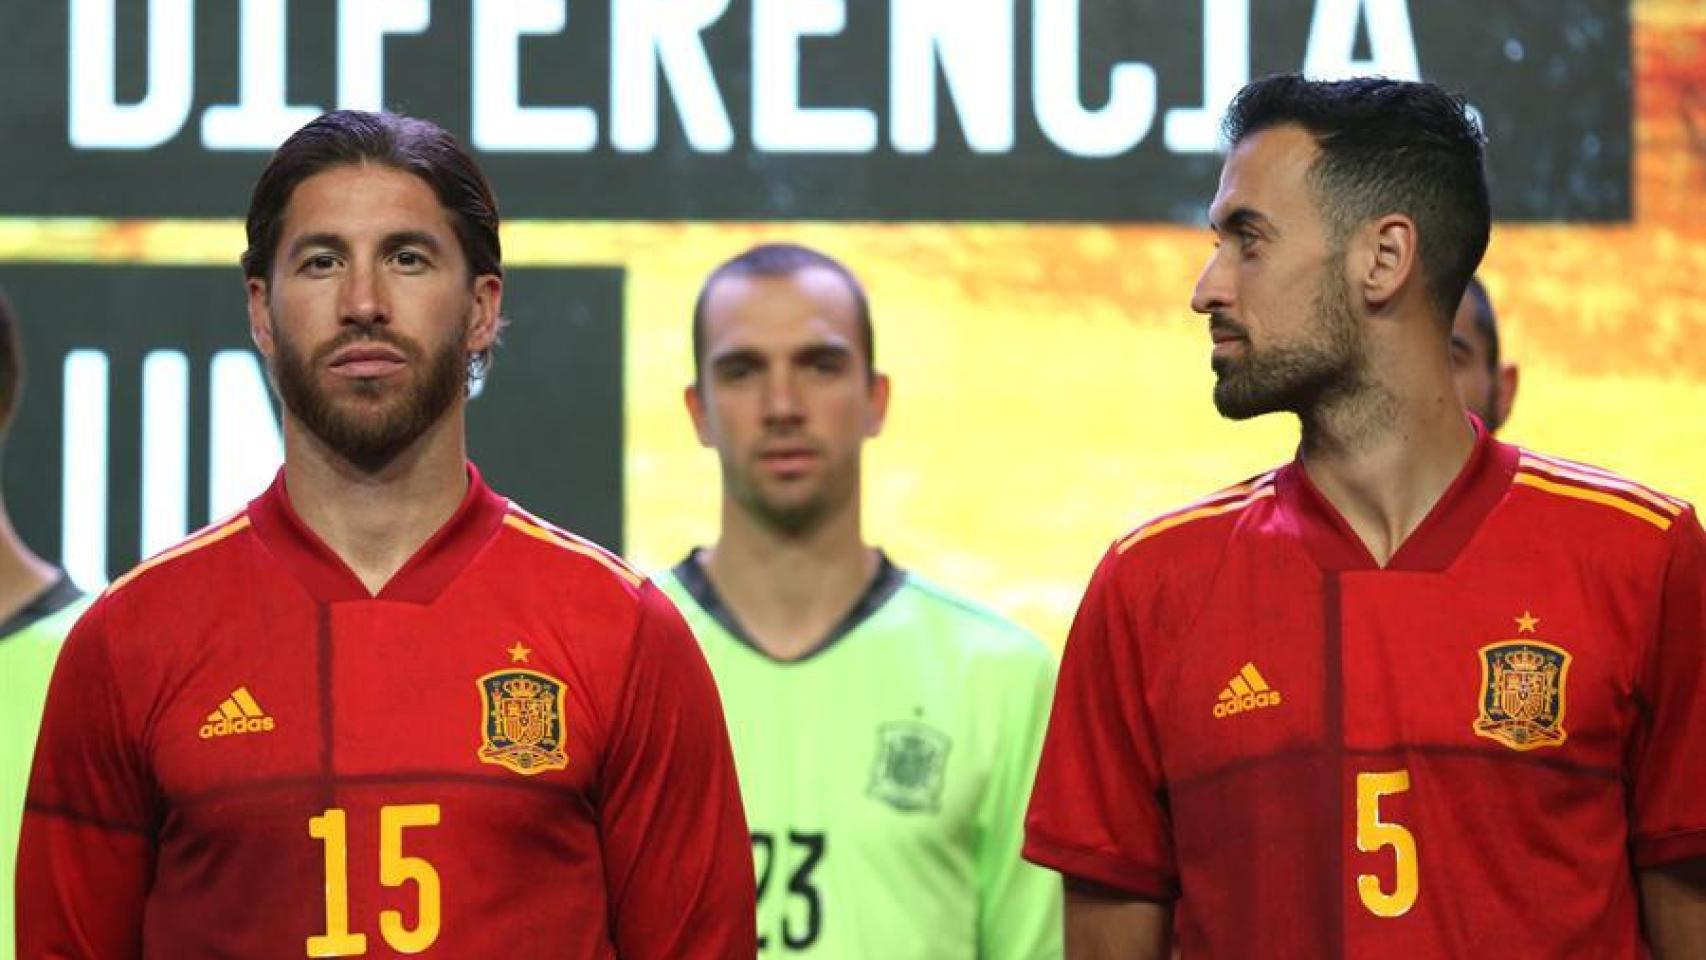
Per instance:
(695,403)
(488,313)
(1506,399)
(879,404)
(1391,259)
(260,317)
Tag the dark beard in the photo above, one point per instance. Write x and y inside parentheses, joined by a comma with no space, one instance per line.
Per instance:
(369,429)
(1296,377)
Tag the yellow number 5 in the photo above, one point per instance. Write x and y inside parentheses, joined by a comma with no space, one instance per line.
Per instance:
(332,829)
(1373,833)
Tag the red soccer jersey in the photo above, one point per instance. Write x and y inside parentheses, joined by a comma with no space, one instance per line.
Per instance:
(514,749)
(1462,752)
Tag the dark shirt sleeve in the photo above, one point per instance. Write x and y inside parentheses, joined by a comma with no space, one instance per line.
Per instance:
(1669,804)
(86,850)
(678,863)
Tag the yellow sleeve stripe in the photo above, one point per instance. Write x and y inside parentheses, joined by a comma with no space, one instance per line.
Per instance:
(574,545)
(1593,496)
(1595,478)
(187,547)
(1180,519)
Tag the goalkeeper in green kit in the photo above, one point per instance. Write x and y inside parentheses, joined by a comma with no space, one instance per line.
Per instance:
(885,731)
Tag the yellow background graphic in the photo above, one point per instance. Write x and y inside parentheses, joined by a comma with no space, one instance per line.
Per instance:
(1051,385)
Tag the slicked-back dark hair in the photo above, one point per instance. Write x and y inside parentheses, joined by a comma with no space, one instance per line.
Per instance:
(784,260)
(409,144)
(11,364)
(1386,146)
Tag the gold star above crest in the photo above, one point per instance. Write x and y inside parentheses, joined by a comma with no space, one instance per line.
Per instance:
(518,653)
(1526,622)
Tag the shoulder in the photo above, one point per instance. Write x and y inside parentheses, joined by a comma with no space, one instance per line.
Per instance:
(1595,501)
(1205,522)
(549,550)
(972,627)
(182,566)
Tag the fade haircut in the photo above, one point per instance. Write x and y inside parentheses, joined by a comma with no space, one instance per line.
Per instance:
(773,260)
(1486,322)
(11,364)
(409,144)
(1386,146)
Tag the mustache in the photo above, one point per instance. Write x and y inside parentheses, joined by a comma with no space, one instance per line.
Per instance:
(367,333)
(1221,323)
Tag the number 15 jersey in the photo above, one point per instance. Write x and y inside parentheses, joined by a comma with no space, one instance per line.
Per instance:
(1472,747)
(516,747)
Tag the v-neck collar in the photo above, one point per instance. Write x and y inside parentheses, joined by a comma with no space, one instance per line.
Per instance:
(1437,540)
(421,578)
(887,579)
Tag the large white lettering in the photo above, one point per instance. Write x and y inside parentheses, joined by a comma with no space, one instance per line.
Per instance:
(362,28)
(1333,36)
(1119,125)
(261,118)
(97,120)
(647,36)
(973,42)
(1225,70)
(500,122)
(779,123)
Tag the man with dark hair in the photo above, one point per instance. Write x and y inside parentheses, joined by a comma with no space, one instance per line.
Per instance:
(1416,693)
(383,710)
(38,604)
(1486,384)
(885,730)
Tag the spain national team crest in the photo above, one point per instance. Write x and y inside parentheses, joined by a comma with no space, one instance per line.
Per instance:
(911,761)
(1522,694)
(523,721)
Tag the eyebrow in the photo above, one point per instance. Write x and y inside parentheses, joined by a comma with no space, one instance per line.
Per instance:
(392,242)
(1243,217)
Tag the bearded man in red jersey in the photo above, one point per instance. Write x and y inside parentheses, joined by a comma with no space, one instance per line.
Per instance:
(383,710)
(1417,693)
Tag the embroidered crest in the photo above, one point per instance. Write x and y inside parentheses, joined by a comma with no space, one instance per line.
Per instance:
(1522,694)
(911,758)
(523,721)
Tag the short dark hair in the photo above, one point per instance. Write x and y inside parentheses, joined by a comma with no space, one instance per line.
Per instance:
(1486,322)
(11,364)
(1387,146)
(409,144)
(784,260)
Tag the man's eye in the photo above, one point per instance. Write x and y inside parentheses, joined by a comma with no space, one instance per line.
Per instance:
(320,263)
(409,258)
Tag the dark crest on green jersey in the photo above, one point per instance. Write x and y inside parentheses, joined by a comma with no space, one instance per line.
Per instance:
(908,773)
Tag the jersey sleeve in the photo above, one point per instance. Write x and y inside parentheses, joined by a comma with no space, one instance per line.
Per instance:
(1019,903)
(678,864)
(1097,811)
(86,850)
(1669,808)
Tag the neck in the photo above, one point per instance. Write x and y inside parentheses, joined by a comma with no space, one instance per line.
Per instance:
(1384,453)
(23,575)
(789,589)
(376,520)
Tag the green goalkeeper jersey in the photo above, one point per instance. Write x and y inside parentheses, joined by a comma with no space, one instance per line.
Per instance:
(885,775)
(29,645)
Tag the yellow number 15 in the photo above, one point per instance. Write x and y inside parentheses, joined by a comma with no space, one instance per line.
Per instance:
(1374,833)
(332,828)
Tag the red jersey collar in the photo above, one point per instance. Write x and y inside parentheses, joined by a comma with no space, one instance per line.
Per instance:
(420,580)
(1434,544)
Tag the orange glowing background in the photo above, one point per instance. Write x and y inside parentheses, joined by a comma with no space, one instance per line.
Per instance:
(1051,386)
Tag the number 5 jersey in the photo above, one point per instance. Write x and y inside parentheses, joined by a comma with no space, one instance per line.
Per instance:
(514,747)
(1472,748)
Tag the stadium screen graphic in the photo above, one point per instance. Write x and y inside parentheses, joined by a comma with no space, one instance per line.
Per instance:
(1020,183)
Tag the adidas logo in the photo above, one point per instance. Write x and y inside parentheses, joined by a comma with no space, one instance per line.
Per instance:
(238,714)
(1245,692)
